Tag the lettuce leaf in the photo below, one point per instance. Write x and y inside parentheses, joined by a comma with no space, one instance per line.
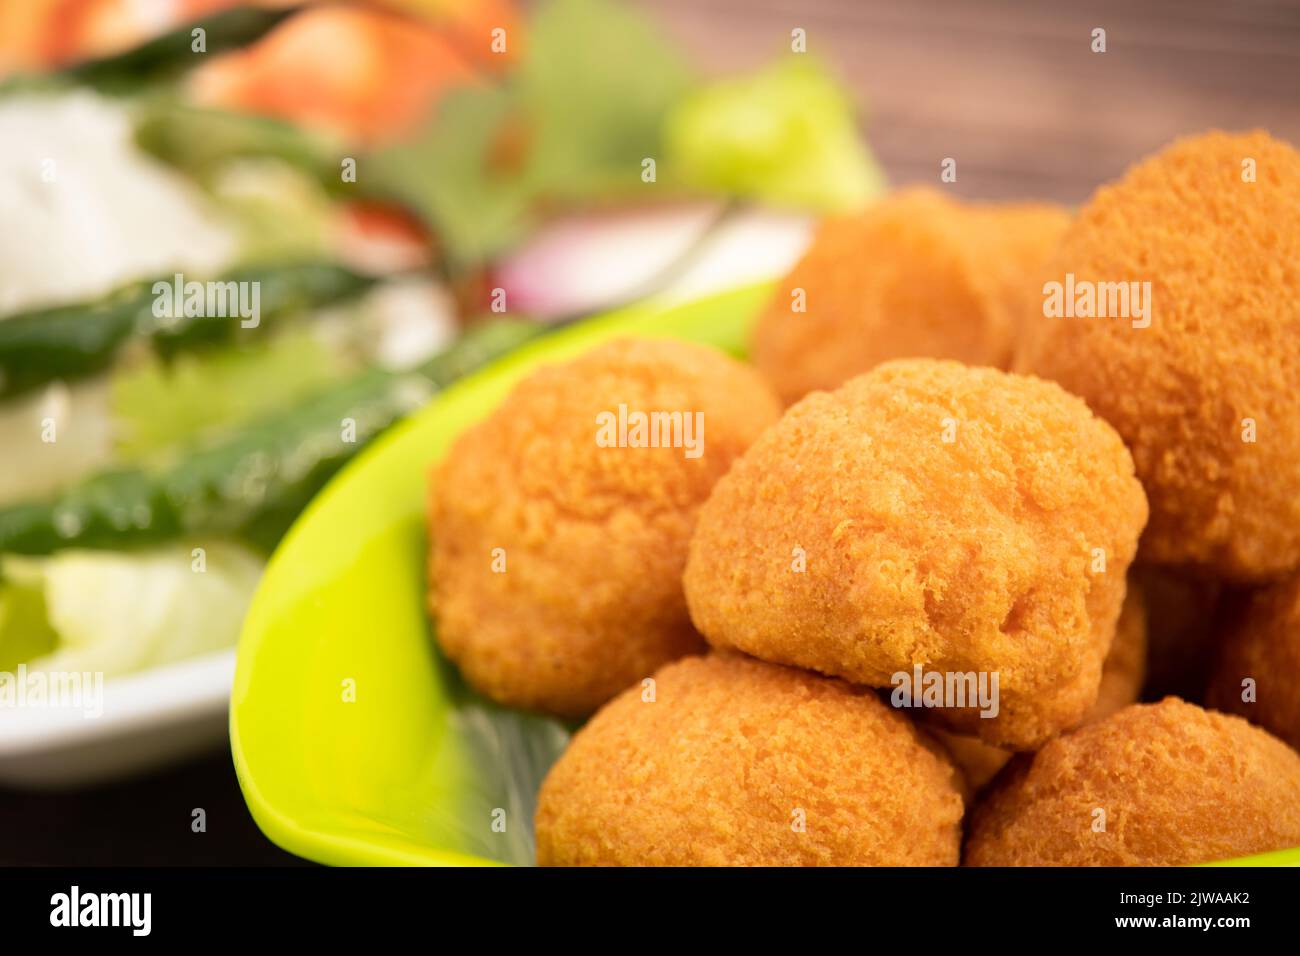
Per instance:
(159,405)
(25,631)
(123,612)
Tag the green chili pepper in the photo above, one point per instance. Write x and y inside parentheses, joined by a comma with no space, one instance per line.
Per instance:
(72,341)
(254,482)
(171,54)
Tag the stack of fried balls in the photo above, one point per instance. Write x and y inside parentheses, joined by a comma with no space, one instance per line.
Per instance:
(946,576)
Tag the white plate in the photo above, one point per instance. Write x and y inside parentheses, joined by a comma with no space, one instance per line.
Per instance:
(148,719)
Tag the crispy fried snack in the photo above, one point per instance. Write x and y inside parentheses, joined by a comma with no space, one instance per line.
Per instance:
(735,762)
(1262,644)
(1121,683)
(1204,395)
(1152,785)
(926,513)
(1125,666)
(915,275)
(556,563)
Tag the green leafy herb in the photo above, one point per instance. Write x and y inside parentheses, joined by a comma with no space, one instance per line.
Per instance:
(450,178)
(495,760)
(574,124)
(167,56)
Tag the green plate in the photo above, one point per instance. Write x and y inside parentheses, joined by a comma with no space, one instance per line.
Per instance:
(354,742)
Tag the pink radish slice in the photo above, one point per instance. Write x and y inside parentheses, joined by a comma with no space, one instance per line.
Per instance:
(583,263)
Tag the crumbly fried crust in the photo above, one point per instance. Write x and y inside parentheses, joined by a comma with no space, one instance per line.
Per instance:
(1121,683)
(916,274)
(1177,785)
(593,538)
(741,763)
(1223,259)
(974,555)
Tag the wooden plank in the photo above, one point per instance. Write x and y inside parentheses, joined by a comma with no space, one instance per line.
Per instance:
(1012,90)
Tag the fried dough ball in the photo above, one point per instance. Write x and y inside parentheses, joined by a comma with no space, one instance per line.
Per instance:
(556,563)
(1176,784)
(1263,645)
(1016,240)
(1204,396)
(1125,666)
(917,274)
(735,762)
(926,513)
(1121,683)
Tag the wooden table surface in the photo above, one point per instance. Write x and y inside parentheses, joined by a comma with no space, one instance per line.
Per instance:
(1010,90)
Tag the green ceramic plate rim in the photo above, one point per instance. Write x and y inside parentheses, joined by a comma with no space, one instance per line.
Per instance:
(644,319)
(649,318)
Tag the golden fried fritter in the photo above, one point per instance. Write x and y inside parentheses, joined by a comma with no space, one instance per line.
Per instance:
(926,513)
(1204,396)
(1125,665)
(1121,683)
(735,762)
(1262,645)
(556,562)
(1152,785)
(1015,241)
(915,275)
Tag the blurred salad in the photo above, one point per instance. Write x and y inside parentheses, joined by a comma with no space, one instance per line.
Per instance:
(414,189)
